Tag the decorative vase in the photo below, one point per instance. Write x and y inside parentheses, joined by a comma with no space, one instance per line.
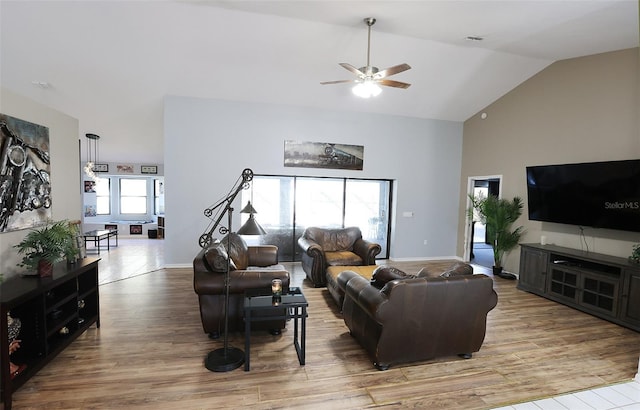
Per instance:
(497,271)
(45,268)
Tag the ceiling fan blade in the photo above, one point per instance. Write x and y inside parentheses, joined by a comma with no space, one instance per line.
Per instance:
(391,83)
(387,72)
(337,82)
(352,69)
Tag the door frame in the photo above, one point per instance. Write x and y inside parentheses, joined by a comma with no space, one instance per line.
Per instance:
(471,181)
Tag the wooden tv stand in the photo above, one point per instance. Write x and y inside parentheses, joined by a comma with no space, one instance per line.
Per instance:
(604,286)
(53,312)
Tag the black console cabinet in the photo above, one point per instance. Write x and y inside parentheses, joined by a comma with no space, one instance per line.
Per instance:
(604,286)
(53,312)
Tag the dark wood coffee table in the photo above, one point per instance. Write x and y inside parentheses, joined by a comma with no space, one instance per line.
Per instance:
(97,236)
(290,305)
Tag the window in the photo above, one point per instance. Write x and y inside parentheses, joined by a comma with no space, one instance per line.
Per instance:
(103,196)
(319,202)
(367,206)
(287,205)
(133,196)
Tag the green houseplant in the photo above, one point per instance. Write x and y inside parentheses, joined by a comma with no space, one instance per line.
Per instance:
(498,215)
(635,255)
(44,246)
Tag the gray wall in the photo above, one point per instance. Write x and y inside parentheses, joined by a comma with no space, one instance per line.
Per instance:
(578,110)
(65,174)
(209,142)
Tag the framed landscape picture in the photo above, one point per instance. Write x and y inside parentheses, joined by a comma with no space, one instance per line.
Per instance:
(125,169)
(101,168)
(323,155)
(149,169)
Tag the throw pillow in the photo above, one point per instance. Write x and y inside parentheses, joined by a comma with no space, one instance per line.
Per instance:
(238,251)
(383,274)
(215,259)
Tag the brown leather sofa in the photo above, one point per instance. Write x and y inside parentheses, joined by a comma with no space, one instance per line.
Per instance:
(417,318)
(253,267)
(336,289)
(323,247)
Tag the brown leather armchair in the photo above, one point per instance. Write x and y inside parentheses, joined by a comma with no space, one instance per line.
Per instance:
(418,318)
(253,267)
(323,247)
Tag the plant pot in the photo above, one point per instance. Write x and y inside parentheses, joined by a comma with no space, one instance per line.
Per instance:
(504,275)
(45,268)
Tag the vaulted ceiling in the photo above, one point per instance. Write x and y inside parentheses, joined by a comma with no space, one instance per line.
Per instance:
(110,63)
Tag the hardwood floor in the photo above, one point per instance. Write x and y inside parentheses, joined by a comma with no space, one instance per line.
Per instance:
(149,352)
(132,257)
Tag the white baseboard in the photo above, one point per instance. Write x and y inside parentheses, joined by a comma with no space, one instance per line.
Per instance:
(424,258)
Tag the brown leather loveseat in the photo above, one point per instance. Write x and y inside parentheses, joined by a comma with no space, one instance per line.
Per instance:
(417,318)
(253,267)
(323,247)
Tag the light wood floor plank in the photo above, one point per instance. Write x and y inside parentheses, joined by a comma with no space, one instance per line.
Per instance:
(150,349)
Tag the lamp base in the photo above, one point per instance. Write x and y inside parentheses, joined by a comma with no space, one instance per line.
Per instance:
(220,360)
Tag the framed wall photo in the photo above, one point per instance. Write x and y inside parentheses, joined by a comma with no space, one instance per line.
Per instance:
(101,168)
(25,187)
(323,155)
(89,186)
(149,169)
(125,169)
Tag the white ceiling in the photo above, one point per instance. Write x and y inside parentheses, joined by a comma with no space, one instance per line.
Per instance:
(110,63)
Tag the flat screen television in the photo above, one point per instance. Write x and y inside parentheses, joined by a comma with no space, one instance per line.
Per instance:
(595,194)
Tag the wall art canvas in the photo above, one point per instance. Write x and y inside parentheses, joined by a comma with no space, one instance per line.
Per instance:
(90,187)
(323,155)
(148,169)
(90,210)
(25,185)
(125,169)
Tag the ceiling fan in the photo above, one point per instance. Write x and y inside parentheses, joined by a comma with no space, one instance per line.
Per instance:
(369,77)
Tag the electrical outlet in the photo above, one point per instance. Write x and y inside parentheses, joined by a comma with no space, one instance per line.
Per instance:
(425,242)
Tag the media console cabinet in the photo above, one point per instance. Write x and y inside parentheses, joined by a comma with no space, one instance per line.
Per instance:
(53,312)
(604,286)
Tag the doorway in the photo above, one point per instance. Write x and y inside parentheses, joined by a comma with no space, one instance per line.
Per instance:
(478,250)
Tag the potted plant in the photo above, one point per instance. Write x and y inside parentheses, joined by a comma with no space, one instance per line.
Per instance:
(635,255)
(498,215)
(44,246)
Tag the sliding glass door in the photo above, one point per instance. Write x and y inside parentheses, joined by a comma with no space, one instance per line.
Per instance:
(367,206)
(287,205)
(273,199)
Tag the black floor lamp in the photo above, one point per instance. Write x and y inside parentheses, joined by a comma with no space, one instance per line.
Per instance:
(227,358)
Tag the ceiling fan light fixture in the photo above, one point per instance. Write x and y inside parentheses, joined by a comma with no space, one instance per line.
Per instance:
(369,77)
(366,89)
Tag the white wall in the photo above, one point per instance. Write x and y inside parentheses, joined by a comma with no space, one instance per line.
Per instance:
(65,174)
(209,142)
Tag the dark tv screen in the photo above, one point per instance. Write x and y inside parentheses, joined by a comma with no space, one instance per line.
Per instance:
(595,194)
